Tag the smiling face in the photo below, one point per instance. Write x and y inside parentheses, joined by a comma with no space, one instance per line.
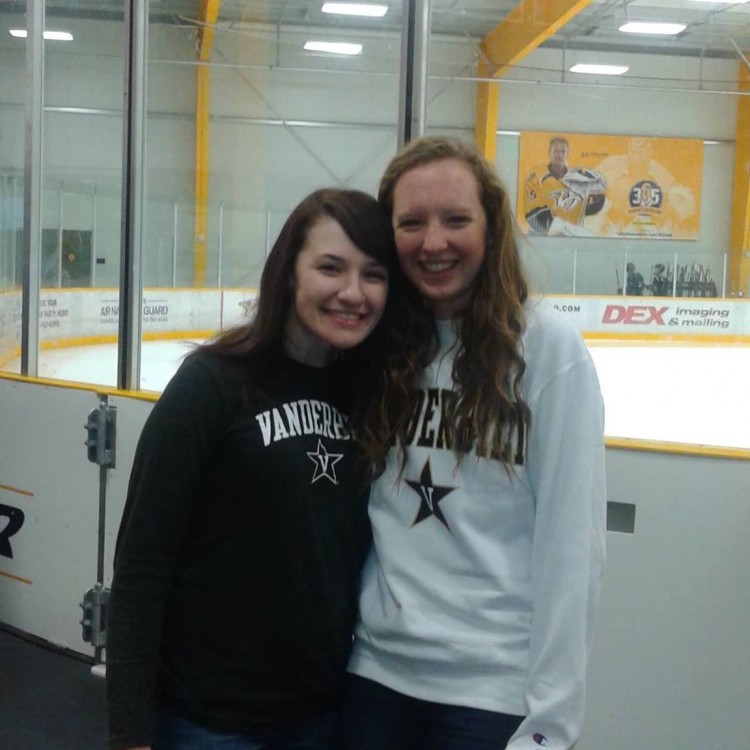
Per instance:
(339,295)
(440,230)
(558,156)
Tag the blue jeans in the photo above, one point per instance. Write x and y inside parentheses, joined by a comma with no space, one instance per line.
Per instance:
(375,717)
(176,733)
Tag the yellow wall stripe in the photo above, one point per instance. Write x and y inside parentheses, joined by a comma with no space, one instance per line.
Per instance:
(680,449)
(17,490)
(75,386)
(666,339)
(16,578)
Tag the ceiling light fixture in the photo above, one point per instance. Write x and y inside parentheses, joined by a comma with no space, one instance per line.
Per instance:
(355,9)
(54,36)
(648,27)
(600,70)
(336,48)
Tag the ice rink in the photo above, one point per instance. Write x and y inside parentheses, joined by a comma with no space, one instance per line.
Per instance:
(674,393)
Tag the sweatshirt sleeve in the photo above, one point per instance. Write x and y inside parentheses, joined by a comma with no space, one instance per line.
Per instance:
(171,462)
(566,471)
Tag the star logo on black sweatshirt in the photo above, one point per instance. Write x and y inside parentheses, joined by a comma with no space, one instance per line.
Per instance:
(325,463)
(430,496)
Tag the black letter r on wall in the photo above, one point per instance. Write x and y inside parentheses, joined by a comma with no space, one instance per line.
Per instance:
(15,518)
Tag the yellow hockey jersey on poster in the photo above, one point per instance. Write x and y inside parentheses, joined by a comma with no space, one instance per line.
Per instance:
(559,204)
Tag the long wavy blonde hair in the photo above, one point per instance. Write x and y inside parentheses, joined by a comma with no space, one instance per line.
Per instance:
(488,415)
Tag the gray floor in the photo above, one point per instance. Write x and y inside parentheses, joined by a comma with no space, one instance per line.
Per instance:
(48,700)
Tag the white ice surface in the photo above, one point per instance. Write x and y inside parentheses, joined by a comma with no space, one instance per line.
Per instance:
(98,364)
(683,394)
(679,394)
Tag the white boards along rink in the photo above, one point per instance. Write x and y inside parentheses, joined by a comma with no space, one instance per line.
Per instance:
(657,391)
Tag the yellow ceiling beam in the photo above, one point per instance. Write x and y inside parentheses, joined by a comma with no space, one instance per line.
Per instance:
(739,242)
(208,13)
(529,24)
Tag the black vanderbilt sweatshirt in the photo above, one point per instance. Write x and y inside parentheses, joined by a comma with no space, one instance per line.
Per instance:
(238,558)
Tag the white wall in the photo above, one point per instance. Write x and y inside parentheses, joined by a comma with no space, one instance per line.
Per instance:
(671,659)
(45,473)
(659,96)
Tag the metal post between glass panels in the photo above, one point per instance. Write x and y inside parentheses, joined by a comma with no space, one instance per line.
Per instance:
(221,246)
(413,87)
(174,245)
(133,176)
(94,208)
(32,194)
(60,220)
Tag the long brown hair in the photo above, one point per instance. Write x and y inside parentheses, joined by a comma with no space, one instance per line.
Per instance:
(488,414)
(260,341)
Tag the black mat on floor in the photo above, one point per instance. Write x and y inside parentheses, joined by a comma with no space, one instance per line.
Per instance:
(48,700)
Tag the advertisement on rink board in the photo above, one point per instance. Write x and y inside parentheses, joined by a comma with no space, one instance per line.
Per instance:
(588,185)
(75,313)
(659,317)
(75,317)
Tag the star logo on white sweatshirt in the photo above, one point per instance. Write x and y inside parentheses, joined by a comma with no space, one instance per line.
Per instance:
(430,496)
(325,463)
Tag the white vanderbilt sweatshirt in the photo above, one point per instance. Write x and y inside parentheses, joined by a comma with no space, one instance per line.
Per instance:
(482,584)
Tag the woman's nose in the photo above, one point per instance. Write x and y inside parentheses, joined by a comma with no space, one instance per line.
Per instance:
(434,238)
(352,290)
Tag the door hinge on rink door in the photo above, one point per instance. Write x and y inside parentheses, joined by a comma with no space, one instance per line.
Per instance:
(94,606)
(101,442)
(101,429)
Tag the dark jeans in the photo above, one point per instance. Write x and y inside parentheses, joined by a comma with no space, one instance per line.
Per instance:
(176,733)
(375,717)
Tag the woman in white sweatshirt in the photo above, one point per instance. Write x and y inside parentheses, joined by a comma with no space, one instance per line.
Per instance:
(479,595)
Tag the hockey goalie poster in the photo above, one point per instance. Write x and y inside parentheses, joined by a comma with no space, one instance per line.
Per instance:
(582,185)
